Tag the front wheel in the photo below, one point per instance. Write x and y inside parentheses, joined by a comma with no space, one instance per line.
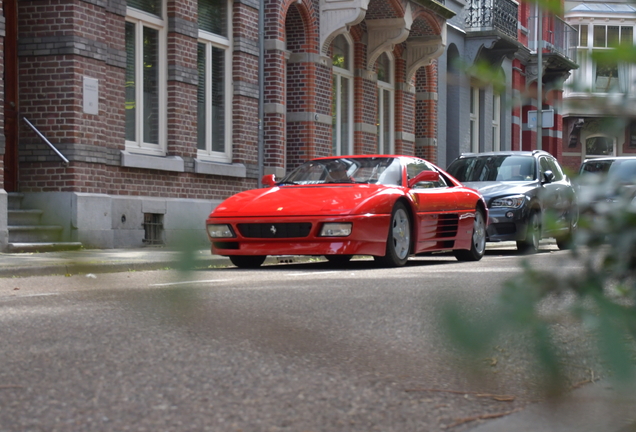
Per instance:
(564,242)
(533,235)
(398,243)
(247,261)
(478,240)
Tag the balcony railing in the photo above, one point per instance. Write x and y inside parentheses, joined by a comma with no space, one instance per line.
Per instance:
(558,36)
(485,15)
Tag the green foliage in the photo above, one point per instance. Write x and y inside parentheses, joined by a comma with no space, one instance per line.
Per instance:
(623,53)
(601,298)
(604,292)
(552,6)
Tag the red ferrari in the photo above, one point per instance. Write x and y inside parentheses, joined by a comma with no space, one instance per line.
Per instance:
(389,207)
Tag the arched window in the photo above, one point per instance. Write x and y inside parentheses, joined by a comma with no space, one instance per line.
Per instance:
(386,95)
(342,98)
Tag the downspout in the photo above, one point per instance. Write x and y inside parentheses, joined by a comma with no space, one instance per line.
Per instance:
(261,89)
(540,79)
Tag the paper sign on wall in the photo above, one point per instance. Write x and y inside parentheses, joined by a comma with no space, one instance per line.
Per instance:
(91,95)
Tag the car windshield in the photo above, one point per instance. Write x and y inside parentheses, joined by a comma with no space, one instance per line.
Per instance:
(376,170)
(493,168)
(620,170)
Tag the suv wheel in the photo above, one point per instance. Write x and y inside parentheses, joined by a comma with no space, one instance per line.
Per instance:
(533,235)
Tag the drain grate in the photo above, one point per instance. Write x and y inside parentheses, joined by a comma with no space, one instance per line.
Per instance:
(153,228)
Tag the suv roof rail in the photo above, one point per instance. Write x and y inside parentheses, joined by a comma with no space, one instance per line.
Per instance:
(537,151)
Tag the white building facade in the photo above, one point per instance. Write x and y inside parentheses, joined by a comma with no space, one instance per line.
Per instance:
(600,96)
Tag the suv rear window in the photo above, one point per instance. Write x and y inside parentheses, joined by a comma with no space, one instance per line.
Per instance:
(622,170)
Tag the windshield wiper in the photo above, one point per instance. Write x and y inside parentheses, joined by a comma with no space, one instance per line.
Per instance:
(286,182)
(340,182)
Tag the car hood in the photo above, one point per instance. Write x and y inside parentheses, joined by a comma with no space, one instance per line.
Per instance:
(493,189)
(298,201)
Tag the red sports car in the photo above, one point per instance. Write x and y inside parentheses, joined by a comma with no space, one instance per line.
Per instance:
(389,207)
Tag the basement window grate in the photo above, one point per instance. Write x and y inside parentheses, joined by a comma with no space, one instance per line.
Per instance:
(153,228)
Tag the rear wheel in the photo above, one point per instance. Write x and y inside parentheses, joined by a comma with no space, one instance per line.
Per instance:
(398,244)
(338,260)
(247,261)
(533,235)
(478,240)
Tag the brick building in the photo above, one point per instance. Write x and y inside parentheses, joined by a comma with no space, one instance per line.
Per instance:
(126,121)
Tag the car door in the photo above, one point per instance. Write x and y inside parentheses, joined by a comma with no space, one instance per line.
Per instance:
(436,208)
(556,195)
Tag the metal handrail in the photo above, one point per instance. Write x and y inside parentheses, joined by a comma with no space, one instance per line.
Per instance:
(45,140)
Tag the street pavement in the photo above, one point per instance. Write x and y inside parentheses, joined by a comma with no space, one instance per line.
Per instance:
(599,406)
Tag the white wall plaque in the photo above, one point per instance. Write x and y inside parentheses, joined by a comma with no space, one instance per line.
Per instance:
(547,119)
(91,95)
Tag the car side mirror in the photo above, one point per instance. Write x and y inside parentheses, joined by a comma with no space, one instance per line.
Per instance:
(548,177)
(424,176)
(268,180)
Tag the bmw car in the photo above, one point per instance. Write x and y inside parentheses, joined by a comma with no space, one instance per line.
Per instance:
(385,206)
(528,195)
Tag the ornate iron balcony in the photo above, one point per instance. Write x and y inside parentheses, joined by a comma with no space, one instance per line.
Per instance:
(487,15)
(558,36)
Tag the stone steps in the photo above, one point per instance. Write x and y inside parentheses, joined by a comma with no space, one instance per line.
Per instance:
(28,234)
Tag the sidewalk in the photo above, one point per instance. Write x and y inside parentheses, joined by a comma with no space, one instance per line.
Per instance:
(596,407)
(101,261)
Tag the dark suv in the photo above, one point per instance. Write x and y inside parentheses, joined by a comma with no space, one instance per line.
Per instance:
(528,196)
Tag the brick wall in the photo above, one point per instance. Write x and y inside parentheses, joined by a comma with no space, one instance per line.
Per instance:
(63,41)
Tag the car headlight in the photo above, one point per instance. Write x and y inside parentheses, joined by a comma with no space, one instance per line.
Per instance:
(513,201)
(335,229)
(220,231)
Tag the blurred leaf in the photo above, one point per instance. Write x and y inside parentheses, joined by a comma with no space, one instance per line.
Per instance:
(548,358)
(470,331)
(612,338)
(624,53)
(486,75)
(553,6)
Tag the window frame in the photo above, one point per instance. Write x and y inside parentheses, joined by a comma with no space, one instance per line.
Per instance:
(212,40)
(592,155)
(496,121)
(474,118)
(611,88)
(386,88)
(338,75)
(143,20)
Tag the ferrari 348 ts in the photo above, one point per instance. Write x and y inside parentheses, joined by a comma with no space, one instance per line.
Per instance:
(388,207)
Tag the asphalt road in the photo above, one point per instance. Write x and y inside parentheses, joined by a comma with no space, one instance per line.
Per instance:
(293,347)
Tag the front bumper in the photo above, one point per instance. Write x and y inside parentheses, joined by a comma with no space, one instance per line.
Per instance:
(368,237)
(506,224)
